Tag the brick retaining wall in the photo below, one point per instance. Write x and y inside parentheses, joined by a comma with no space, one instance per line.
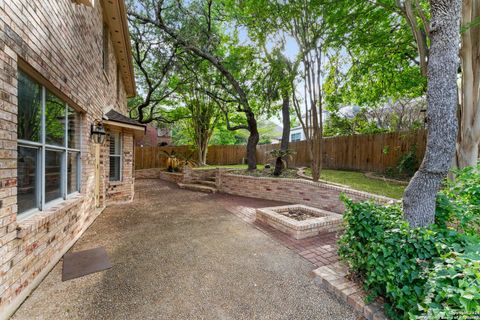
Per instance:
(175,177)
(153,173)
(315,194)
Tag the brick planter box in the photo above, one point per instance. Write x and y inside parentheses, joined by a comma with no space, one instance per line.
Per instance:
(318,220)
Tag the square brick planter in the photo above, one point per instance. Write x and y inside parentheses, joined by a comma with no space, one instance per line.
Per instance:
(322,220)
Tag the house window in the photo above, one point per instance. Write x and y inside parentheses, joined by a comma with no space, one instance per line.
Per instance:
(115,156)
(48,147)
(297,136)
(105,52)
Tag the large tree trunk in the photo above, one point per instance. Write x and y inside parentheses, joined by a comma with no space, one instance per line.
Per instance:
(420,195)
(286,121)
(469,131)
(285,133)
(252,141)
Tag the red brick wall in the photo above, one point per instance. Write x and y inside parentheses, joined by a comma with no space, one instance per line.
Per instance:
(150,139)
(62,41)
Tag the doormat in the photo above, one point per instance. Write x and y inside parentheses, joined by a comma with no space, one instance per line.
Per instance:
(81,263)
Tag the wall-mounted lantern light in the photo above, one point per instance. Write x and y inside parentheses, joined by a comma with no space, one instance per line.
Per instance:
(98,132)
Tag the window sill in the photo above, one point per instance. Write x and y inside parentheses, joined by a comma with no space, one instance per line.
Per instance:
(39,218)
(115,183)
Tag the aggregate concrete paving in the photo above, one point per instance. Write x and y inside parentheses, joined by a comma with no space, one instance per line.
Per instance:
(179,254)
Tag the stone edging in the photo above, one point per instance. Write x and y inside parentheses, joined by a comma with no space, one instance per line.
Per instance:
(333,278)
(372,175)
(301,174)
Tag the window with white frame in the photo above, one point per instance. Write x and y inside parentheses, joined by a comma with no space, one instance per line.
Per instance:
(115,156)
(48,147)
(297,136)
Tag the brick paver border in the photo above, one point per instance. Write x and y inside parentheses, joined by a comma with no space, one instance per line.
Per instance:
(320,250)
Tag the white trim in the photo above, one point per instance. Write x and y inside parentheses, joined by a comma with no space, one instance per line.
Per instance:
(116,135)
(123,125)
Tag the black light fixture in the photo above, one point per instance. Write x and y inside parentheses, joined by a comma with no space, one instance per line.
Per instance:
(98,133)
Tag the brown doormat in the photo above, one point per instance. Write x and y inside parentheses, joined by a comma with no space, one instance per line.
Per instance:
(81,263)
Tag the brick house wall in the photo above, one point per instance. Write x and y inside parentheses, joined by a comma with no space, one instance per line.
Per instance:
(60,42)
(123,190)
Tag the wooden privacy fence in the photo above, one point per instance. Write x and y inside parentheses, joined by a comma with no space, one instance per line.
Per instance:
(369,152)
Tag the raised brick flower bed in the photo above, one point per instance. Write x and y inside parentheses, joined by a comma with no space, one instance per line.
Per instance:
(300,221)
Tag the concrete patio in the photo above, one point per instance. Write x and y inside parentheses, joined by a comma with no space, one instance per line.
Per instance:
(179,254)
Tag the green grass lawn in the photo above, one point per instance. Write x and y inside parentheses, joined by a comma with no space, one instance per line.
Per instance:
(355,180)
(358,181)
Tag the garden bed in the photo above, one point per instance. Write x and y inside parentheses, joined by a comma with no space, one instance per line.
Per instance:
(300,221)
(267,173)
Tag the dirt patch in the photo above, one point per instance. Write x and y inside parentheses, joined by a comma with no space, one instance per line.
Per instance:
(298,214)
(268,173)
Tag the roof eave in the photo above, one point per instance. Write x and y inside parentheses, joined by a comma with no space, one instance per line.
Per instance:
(128,47)
(115,15)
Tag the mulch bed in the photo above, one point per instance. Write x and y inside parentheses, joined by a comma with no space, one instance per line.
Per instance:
(267,173)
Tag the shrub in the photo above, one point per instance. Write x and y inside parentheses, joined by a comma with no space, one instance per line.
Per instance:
(453,286)
(390,257)
(459,203)
(408,163)
(432,272)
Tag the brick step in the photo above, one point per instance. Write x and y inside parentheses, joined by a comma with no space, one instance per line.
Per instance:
(197,187)
(333,278)
(207,183)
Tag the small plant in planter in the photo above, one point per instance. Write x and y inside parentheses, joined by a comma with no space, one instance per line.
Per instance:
(186,160)
(172,161)
(280,157)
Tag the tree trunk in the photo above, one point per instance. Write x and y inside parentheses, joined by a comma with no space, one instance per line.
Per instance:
(420,195)
(278,167)
(469,117)
(202,154)
(316,164)
(467,151)
(252,141)
(286,121)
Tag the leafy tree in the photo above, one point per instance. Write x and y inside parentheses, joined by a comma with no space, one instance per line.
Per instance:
(379,60)
(340,125)
(302,21)
(196,27)
(202,107)
(204,116)
(156,68)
